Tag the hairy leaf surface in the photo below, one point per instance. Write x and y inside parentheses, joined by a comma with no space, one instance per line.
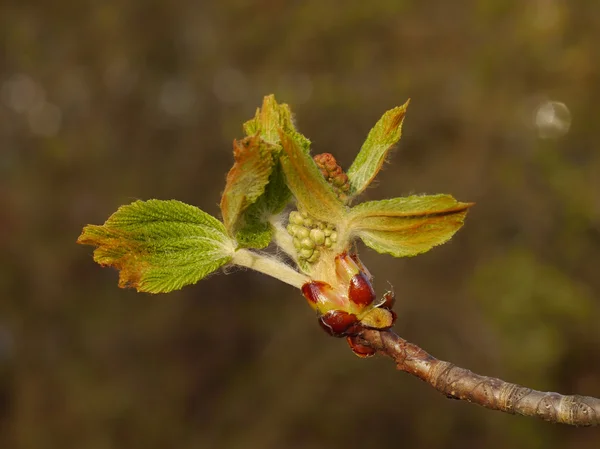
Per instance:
(382,137)
(312,192)
(407,226)
(247,179)
(159,246)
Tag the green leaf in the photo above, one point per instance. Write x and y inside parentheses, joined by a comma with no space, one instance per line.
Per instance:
(159,246)
(384,135)
(256,189)
(313,194)
(247,179)
(272,117)
(407,226)
(256,230)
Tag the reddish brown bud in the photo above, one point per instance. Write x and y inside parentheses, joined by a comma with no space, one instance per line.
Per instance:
(338,323)
(358,348)
(361,291)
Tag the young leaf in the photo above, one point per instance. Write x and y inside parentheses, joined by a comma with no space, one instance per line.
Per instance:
(272,117)
(256,188)
(384,135)
(255,230)
(407,226)
(159,246)
(313,194)
(247,179)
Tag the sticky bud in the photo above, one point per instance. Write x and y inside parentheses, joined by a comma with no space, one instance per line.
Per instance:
(338,323)
(361,291)
(358,348)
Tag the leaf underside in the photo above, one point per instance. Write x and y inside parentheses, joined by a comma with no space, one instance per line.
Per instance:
(159,246)
(312,192)
(408,226)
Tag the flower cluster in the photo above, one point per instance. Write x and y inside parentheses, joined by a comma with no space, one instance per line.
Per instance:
(334,174)
(310,236)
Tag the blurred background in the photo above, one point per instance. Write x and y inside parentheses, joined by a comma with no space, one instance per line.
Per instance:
(105,102)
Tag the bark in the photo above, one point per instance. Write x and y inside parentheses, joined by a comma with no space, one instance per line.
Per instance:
(460,383)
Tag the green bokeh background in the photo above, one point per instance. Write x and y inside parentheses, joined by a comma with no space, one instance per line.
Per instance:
(105,102)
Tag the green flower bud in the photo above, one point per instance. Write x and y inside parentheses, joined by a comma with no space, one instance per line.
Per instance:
(308,222)
(302,233)
(334,236)
(305,253)
(297,243)
(314,257)
(328,242)
(317,236)
(291,229)
(307,243)
(296,218)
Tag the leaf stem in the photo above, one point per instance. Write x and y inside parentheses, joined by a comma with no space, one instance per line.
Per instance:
(284,240)
(269,265)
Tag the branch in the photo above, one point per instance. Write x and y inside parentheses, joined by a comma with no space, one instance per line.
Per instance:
(495,394)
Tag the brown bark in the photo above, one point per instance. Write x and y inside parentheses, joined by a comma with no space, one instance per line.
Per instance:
(495,394)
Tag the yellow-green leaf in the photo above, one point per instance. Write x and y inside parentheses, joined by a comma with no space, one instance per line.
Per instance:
(255,230)
(247,179)
(382,137)
(313,194)
(407,226)
(256,188)
(272,117)
(159,246)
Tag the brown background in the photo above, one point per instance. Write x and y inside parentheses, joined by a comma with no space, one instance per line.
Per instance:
(105,102)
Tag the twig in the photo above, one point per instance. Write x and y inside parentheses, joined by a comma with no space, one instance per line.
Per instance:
(495,394)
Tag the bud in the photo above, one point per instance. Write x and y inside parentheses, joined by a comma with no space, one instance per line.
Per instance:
(334,174)
(317,236)
(358,348)
(361,291)
(338,323)
(305,253)
(296,218)
(309,235)
(315,256)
